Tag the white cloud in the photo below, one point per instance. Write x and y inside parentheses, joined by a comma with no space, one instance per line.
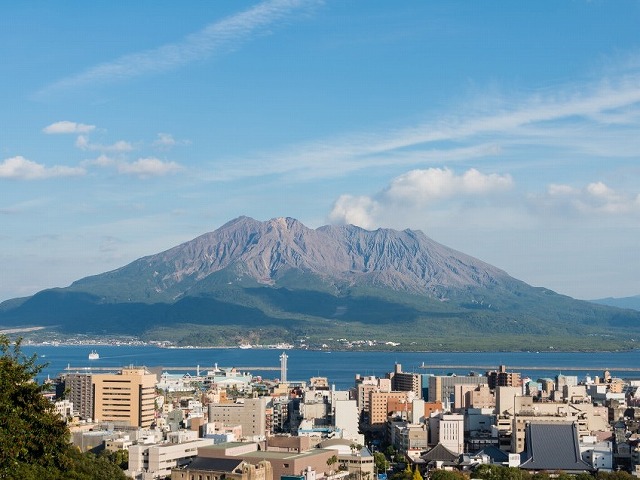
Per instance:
(164,140)
(419,186)
(22,169)
(576,121)
(599,189)
(217,37)
(412,190)
(83,143)
(143,167)
(351,210)
(596,198)
(148,167)
(101,161)
(555,189)
(68,127)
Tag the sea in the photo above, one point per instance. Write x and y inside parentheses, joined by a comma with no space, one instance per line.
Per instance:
(340,367)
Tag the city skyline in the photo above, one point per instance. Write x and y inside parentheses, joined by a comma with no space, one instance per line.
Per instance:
(506,131)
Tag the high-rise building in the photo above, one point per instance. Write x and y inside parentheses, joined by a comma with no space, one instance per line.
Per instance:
(502,378)
(406,382)
(379,406)
(78,390)
(125,398)
(442,387)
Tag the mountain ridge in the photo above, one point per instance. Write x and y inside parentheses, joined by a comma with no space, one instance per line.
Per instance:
(281,280)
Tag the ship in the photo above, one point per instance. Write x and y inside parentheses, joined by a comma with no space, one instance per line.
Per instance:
(94,355)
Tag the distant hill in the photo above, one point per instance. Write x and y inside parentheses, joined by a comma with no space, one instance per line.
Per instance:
(623,302)
(264,282)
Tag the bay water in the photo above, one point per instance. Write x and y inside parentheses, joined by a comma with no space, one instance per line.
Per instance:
(340,367)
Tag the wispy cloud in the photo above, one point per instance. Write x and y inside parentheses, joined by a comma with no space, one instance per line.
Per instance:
(83,143)
(20,168)
(166,141)
(66,126)
(591,119)
(21,207)
(594,199)
(142,167)
(215,38)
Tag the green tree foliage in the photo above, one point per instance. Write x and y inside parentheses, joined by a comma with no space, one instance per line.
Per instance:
(497,472)
(614,476)
(446,475)
(381,462)
(34,440)
(406,474)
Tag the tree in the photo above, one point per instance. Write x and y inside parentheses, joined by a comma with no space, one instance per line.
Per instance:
(416,474)
(34,440)
(446,475)
(381,462)
(498,472)
(331,461)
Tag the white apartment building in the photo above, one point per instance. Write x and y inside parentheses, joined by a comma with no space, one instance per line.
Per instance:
(450,431)
(152,461)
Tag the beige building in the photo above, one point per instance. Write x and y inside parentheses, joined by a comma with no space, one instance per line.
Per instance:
(282,462)
(251,414)
(215,469)
(588,418)
(358,462)
(406,382)
(473,396)
(379,406)
(125,398)
(442,387)
(366,385)
(515,411)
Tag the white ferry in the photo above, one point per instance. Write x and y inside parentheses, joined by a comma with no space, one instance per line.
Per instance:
(94,355)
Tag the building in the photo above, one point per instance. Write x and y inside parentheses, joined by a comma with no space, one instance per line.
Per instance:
(125,398)
(406,382)
(379,406)
(502,378)
(352,458)
(451,432)
(365,385)
(283,462)
(218,468)
(251,414)
(553,447)
(442,387)
(151,461)
(79,391)
(345,419)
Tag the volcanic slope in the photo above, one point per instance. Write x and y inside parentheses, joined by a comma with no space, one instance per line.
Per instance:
(273,281)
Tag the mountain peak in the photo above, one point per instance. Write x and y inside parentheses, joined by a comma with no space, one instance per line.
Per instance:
(268,251)
(280,279)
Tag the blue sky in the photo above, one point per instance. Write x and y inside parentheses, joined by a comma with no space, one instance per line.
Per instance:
(506,130)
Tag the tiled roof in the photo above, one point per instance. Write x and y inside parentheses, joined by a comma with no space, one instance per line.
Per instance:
(494,453)
(552,446)
(440,453)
